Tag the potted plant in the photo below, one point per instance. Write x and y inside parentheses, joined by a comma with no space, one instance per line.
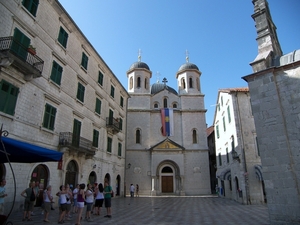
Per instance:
(31,50)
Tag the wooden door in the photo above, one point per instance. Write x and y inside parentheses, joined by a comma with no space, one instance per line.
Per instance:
(167,184)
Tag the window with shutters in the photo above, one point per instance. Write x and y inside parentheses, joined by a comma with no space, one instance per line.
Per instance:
(100,78)
(98,106)
(80,92)
(121,101)
(20,44)
(56,73)
(49,117)
(84,61)
(63,37)
(112,91)
(31,6)
(95,138)
(8,97)
(76,133)
(228,113)
(120,123)
(218,133)
(109,144)
(119,149)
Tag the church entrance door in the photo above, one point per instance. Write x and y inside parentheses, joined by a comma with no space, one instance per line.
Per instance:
(167,184)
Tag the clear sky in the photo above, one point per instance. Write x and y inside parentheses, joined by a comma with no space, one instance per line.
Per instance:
(219,35)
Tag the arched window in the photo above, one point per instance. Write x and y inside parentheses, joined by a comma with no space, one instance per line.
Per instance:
(165,103)
(155,105)
(138,136)
(174,105)
(131,83)
(194,136)
(191,82)
(183,83)
(138,82)
(146,83)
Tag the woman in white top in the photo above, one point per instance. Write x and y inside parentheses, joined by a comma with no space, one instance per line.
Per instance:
(48,199)
(75,193)
(63,203)
(89,199)
(99,199)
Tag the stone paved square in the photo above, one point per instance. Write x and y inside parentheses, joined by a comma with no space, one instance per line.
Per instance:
(166,211)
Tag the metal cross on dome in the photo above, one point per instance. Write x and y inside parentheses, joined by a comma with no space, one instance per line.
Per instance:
(165,81)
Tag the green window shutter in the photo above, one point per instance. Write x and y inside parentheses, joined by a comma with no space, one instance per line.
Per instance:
(228,113)
(84,60)
(109,144)
(98,106)
(120,123)
(227,155)
(31,6)
(100,78)
(217,128)
(112,91)
(80,92)
(8,97)
(224,124)
(49,117)
(119,149)
(220,159)
(20,44)
(76,133)
(95,138)
(63,37)
(111,117)
(56,73)
(121,101)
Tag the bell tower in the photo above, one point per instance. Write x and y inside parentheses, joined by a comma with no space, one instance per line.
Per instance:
(267,41)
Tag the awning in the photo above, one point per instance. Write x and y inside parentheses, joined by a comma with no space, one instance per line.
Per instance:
(26,153)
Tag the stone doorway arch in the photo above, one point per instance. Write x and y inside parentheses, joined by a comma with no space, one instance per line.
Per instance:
(71,174)
(40,174)
(168,178)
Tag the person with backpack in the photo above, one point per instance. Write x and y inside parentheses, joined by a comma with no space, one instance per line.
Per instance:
(30,195)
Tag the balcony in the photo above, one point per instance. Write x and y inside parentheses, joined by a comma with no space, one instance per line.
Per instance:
(13,53)
(76,144)
(112,125)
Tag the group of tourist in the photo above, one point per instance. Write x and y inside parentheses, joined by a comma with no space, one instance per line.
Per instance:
(69,201)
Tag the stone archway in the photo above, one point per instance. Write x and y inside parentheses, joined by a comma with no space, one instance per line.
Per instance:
(168,178)
(71,174)
(40,174)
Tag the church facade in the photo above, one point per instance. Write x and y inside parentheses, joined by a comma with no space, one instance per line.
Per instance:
(166,150)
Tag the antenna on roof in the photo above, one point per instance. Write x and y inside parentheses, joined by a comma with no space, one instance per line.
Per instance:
(187,58)
(139,55)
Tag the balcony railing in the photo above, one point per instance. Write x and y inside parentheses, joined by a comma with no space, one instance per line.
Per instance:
(19,55)
(75,143)
(112,125)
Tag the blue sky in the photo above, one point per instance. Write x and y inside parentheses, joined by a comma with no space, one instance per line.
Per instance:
(219,35)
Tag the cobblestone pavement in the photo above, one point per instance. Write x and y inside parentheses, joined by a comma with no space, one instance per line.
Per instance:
(166,211)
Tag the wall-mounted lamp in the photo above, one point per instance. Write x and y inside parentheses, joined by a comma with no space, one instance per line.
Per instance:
(128,166)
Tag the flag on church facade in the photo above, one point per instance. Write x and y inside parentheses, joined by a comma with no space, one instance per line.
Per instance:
(167,122)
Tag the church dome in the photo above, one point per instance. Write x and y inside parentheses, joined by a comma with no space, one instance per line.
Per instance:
(157,87)
(139,65)
(188,66)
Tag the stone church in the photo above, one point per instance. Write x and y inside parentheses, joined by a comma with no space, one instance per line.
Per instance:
(166,150)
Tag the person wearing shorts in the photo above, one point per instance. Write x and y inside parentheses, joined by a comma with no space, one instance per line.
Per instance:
(80,202)
(107,199)
(63,203)
(99,199)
